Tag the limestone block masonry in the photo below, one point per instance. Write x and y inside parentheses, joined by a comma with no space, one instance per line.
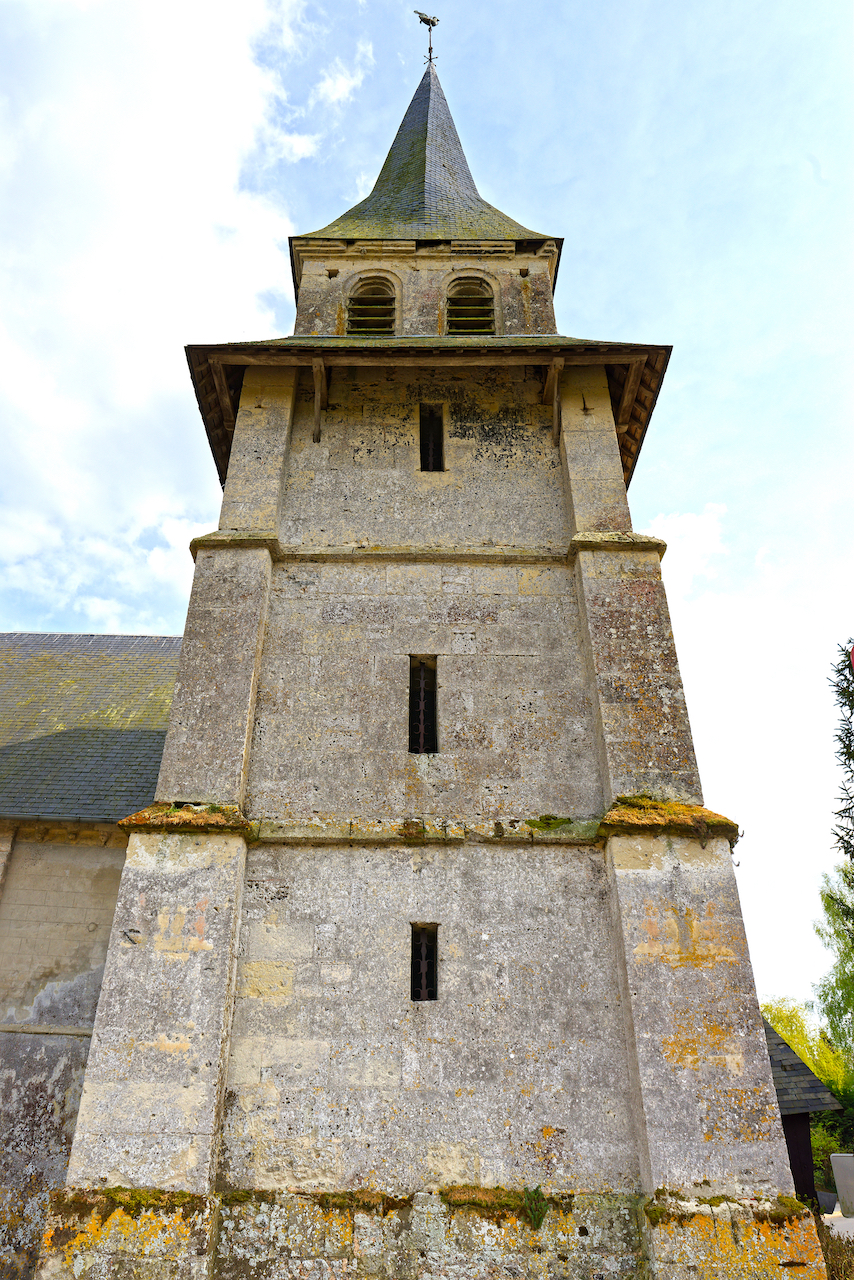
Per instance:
(588,1095)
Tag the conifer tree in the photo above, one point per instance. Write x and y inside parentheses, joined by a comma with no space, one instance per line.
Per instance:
(836,991)
(842,683)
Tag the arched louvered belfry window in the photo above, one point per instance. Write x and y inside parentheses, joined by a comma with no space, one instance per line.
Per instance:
(371,309)
(471,307)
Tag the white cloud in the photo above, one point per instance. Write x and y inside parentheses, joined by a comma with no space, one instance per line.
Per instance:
(338,82)
(126,235)
(694,541)
(297,146)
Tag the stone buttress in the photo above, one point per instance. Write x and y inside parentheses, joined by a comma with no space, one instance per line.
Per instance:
(585,1089)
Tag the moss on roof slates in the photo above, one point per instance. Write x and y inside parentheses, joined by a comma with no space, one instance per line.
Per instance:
(82,723)
(425,190)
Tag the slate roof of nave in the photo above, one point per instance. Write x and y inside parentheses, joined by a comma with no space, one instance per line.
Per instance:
(425,190)
(82,723)
(798,1088)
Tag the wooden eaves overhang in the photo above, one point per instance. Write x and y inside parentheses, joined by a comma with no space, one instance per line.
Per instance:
(634,371)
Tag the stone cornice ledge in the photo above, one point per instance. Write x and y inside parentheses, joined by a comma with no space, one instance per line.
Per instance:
(376,831)
(645,815)
(614,540)
(628,815)
(247,539)
(189,818)
(238,540)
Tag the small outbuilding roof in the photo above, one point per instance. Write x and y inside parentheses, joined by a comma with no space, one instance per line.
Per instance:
(82,723)
(798,1088)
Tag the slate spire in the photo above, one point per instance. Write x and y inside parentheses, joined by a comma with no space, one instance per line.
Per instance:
(425,190)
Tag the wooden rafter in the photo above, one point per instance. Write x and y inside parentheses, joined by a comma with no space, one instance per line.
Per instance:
(630,391)
(321,394)
(551,394)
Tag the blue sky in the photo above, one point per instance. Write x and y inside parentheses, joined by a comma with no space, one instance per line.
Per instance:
(696,159)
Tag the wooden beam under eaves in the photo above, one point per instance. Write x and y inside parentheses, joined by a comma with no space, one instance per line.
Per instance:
(223,394)
(551,394)
(321,394)
(630,391)
(386,356)
(552,379)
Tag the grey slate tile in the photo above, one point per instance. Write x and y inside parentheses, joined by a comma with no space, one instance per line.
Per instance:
(82,723)
(798,1088)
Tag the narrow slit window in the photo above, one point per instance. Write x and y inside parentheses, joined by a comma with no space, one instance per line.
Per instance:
(425,939)
(432,443)
(371,309)
(423,738)
(471,307)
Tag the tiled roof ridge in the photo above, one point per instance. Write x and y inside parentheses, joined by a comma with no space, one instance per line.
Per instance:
(425,189)
(82,640)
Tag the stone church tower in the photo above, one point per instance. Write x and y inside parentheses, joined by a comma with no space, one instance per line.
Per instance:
(428,962)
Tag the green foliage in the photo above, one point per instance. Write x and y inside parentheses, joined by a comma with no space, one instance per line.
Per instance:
(536,1206)
(830,1131)
(835,992)
(842,683)
(792,1021)
(825,1141)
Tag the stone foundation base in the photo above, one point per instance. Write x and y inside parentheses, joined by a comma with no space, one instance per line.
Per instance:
(123,1233)
(464,1233)
(731,1240)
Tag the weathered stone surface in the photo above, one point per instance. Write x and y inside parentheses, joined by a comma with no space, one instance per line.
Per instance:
(420,279)
(516,1074)
(55,915)
(253,490)
(730,1239)
(188,818)
(127,1235)
(149,1115)
(205,756)
(644,735)
(288,1237)
(331,728)
(40,1081)
(590,455)
(363,486)
(704,1102)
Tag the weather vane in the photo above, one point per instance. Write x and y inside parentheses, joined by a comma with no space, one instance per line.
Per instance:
(429,23)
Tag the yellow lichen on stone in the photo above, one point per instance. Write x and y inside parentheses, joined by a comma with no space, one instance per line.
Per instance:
(698,1043)
(648,815)
(722,1244)
(187,817)
(677,937)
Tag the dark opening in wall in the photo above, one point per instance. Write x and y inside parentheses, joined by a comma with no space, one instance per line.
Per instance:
(423,738)
(432,443)
(425,939)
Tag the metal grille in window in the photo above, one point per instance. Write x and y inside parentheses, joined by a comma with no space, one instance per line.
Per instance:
(471,308)
(423,968)
(423,738)
(371,309)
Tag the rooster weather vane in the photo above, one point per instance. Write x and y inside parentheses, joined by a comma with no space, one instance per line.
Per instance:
(429,23)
